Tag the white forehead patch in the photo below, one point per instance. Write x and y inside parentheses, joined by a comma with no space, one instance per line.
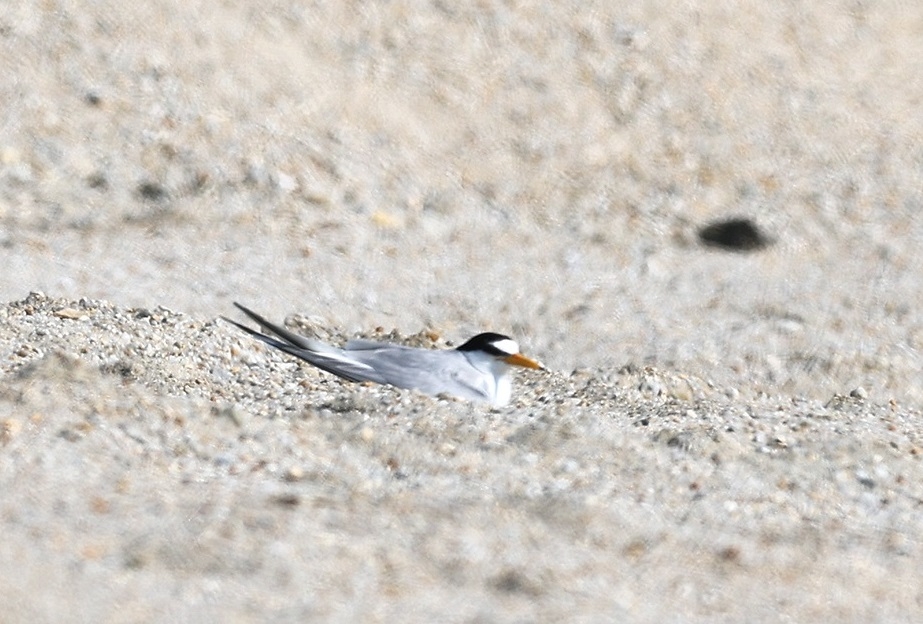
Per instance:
(507,345)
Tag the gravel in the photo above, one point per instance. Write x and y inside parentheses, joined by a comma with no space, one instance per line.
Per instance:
(171,466)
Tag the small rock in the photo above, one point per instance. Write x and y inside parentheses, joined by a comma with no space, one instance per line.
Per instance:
(232,413)
(288,499)
(294,473)
(152,191)
(70,313)
(9,429)
(367,434)
(93,98)
(736,234)
(9,155)
(865,479)
(97,180)
(71,434)
(385,220)
(286,183)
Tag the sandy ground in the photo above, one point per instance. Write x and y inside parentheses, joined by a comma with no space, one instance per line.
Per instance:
(724,436)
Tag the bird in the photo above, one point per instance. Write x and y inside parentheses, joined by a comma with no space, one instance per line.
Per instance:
(478,370)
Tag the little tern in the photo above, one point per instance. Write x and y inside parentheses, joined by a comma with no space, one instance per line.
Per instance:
(478,370)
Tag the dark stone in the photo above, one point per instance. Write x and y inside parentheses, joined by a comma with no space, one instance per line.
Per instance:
(152,191)
(734,235)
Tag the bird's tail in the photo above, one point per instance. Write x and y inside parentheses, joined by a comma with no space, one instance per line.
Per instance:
(289,339)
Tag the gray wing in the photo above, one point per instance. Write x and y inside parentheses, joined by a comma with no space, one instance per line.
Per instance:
(361,344)
(321,355)
(429,371)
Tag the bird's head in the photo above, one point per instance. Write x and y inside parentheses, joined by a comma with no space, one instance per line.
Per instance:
(502,348)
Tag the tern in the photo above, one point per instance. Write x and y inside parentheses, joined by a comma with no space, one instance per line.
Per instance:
(478,370)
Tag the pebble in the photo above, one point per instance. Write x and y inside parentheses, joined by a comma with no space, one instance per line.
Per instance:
(294,473)
(71,313)
(734,234)
(367,434)
(9,429)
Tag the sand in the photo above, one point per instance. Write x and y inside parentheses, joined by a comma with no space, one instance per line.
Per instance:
(723,435)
